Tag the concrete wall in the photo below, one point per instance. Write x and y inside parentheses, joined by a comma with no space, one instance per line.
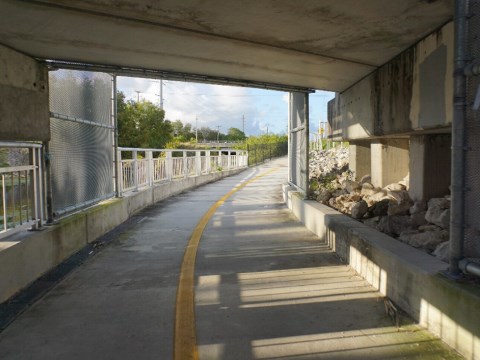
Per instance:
(360,158)
(407,276)
(430,166)
(390,161)
(412,92)
(24,106)
(26,256)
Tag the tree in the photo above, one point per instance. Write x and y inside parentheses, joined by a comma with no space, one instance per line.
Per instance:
(177,127)
(235,134)
(208,134)
(182,132)
(141,124)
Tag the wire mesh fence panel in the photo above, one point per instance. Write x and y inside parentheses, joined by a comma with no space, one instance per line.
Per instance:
(81,144)
(298,147)
(472,161)
(259,153)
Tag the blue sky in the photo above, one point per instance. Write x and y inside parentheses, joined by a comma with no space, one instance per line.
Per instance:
(225,106)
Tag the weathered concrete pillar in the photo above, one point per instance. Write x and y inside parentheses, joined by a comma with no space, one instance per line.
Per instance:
(389,161)
(430,166)
(360,158)
(24,106)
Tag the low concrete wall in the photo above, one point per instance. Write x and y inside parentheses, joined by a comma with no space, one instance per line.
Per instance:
(25,256)
(409,277)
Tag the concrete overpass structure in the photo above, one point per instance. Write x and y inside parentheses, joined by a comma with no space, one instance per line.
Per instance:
(391,64)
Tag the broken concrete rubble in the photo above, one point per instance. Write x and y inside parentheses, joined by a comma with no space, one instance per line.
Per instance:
(422,224)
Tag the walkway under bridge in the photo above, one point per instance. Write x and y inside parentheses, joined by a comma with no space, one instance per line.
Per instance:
(262,287)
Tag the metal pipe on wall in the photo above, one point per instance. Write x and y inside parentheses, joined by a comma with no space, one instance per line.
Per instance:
(469,267)
(457,218)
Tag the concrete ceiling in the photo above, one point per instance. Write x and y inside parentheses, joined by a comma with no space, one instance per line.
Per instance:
(319,44)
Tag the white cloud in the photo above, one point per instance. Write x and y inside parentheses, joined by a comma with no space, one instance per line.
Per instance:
(217,105)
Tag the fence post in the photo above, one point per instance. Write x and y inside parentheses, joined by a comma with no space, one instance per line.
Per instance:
(169,165)
(150,166)
(208,161)
(36,158)
(120,174)
(135,170)
(198,162)
(229,160)
(185,165)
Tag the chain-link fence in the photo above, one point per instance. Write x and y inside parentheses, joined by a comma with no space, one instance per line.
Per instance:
(259,153)
(81,145)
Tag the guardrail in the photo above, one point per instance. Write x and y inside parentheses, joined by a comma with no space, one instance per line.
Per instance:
(139,168)
(22,196)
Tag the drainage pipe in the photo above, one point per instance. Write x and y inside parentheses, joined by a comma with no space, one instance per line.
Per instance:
(469,267)
(457,218)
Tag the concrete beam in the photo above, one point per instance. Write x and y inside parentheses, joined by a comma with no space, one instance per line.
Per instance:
(325,45)
(24,102)
(410,94)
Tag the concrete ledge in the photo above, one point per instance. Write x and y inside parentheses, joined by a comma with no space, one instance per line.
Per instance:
(25,256)
(409,277)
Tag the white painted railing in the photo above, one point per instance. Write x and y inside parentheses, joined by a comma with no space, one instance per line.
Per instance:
(144,167)
(22,196)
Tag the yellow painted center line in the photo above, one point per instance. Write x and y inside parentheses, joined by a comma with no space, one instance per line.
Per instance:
(185,337)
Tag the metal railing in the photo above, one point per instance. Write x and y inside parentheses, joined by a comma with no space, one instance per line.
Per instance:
(22,199)
(259,153)
(140,168)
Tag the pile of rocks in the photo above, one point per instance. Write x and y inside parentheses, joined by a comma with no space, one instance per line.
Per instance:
(325,163)
(424,225)
(391,211)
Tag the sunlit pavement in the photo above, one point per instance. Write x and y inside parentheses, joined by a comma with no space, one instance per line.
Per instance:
(266,288)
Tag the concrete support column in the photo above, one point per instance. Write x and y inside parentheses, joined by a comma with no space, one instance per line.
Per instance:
(389,161)
(24,104)
(430,166)
(360,158)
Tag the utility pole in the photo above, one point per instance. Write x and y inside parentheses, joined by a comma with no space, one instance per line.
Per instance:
(138,95)
(218,133)
(161,95)
(243,124)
